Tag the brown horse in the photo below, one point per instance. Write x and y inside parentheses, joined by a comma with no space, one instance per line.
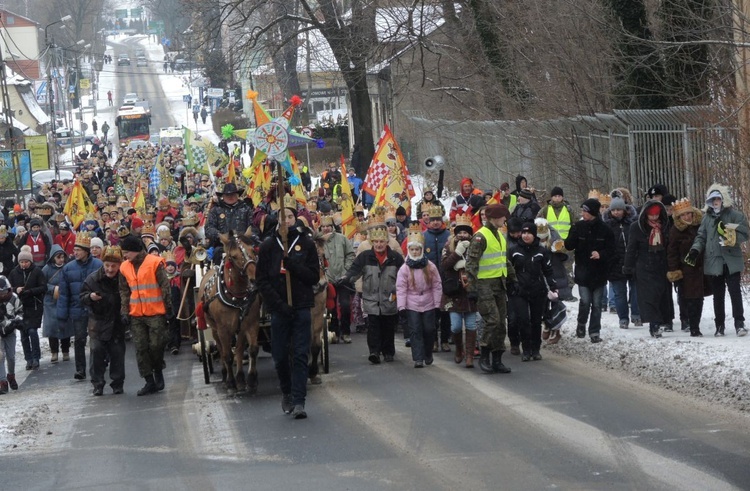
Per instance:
(227,299)
(318,313)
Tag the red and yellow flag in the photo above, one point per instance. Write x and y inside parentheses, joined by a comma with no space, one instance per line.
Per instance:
(388,178)
(139,201)
(348,218)
(78,204)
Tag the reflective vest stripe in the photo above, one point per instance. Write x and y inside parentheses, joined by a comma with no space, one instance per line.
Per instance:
(512,203)
(562,223)
(145,295)
(493,263)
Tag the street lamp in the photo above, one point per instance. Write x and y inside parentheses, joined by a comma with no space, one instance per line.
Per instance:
(51,95)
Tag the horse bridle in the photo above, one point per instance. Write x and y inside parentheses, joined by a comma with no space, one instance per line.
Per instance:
(245,256)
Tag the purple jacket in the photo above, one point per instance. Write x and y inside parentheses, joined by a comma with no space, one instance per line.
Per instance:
(421,297)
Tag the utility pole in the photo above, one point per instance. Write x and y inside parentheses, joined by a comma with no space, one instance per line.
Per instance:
(51,96)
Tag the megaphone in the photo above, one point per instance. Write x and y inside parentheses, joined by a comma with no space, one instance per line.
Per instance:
(434,163)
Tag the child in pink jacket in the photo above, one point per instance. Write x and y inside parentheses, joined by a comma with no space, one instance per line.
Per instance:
(418,292)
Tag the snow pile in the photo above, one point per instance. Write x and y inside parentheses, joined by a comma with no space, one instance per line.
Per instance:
(710,369)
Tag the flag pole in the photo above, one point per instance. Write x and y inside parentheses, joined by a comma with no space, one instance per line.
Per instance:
(283,229)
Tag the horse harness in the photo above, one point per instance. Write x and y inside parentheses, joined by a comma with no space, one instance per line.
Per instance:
(224,292)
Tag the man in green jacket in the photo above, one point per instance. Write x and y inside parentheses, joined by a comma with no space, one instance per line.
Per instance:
(340,256)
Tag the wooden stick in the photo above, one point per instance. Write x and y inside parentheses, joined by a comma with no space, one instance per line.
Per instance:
(283,229)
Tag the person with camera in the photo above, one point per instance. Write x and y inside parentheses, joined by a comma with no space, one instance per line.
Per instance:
(11,318)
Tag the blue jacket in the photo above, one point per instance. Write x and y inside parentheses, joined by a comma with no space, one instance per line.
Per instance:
(73,274)
(434,242)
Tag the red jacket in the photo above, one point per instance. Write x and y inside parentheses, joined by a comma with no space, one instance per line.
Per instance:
(66,242)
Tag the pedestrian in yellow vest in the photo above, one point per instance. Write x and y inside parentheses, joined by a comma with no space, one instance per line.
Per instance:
(558,213)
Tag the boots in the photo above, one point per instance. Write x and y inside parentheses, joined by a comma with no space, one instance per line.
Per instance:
(159,379)
(12,381)
(484,360)
(53,358)
(719,330)
(66,356)
(497,364)
(459,342)
(471,340)
(3,387)
(149,388)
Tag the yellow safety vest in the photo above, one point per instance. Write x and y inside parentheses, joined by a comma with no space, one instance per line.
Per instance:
(561,223)
(493,263)
(512,203)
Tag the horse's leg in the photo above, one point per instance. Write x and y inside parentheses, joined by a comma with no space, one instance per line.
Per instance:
(225,330)
(239,351)
(315,343)
(252,326)
(220,349)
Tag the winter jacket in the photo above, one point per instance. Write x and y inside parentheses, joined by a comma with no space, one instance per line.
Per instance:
(69,307)
(681,236)
(527,212)
(52,326)
(104,315)
(339,253)
(707,240)
(458,302)
(533,265)
(424,205)
(621,230)
(10,311)
(66,242)
(222,218)
(649,268)
(378,282)
(365,245)
(8,255)
(412,290)
(585,237)
(434,242)
(34,287)
(302,265)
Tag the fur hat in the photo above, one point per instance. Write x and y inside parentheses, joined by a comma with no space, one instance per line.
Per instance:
(131,243)
(542,228)
(112,254)
(657,189)
(497,211)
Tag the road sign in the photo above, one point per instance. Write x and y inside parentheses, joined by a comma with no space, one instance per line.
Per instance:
(214,92)
(307,131)
(85,83)
(187,98)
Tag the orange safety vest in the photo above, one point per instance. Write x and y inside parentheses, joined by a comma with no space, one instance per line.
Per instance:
(145,292)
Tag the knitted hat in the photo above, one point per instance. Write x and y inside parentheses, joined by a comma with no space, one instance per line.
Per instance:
(463,222)
(514,225)
(556,191)
(83,241)
(591,205)
(25,255)
(617,204)
(525,193)
(131,243)
(496,211)
(112,254)
(153,247)
(529,228)
(97,242)
(136,222)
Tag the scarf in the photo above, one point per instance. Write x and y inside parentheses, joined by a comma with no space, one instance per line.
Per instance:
(655,242)
(381,256)
(416,263)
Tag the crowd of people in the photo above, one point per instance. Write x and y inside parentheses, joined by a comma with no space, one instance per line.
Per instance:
(472,280)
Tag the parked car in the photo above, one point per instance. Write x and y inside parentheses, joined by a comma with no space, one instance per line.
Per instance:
(141,61)
(45,176)
(66,136)
(130,98)
(123,60)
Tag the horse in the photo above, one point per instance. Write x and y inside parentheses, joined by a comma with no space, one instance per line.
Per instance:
(318,312)
(228,302)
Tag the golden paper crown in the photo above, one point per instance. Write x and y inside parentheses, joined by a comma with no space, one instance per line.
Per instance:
(605,199)
(338,219)
(390,215)
(376,218)
(148,230)
(290,202)
(168,257)
(326,220)
(415,235)
(191,220)
(123,231)
(83,240)
(112,254)
(594,193)
(378,233)
(358,208)
(681,206)
(45,210)
(464,221)
(435,211)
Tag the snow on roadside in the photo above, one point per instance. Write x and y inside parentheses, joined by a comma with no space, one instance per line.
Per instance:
(710,369)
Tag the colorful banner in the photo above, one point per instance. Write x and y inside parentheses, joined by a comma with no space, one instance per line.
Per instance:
(388,177)
(348,217)
(78,204)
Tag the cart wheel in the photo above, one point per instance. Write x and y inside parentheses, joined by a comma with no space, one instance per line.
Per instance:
(324,352)
(205,355)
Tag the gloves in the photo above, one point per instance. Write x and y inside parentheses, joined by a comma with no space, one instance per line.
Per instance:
(125,319)
(692,257)
(287,311)
(342,282)
(460,264)
(188,273)
(461,247)
(673,276)
(513,289)
(473,296)
(16,324)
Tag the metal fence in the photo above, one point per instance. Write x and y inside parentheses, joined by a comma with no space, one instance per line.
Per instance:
(685,148)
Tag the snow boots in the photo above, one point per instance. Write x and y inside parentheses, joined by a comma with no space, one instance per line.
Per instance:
(497,364)
(458,341)
(471,340)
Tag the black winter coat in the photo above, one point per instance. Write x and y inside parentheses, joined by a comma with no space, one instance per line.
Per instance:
(302,265)
(8,254)
(34,285)
(649,268)
(533,264)
(222,218)
(526,212)
(681,236)
(104,315)
(584,238)
(621,230)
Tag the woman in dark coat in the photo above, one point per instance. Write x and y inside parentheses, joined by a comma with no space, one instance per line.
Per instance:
(692,284)
(57,332)
(619,218)
(646,260)
(8,251)
(30,285)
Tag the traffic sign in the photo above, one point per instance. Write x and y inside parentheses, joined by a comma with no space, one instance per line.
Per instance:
(307,131)
(85,83)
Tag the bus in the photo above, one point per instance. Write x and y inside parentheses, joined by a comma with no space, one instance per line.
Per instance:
(132,124)
(170,136)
